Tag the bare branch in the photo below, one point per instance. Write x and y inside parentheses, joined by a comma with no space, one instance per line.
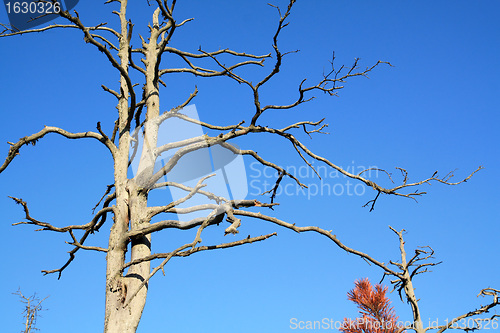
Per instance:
(33,139)
(14,32)
(89,38)
(197,240)
(153,211)
(495,293)
(112,92)
(209,195)
(45,225)
(205,54)
(320,231)
(216,216)
(78,245)
(108,189)
(89,228)
(392,191)
(71,257)
(207,125)
(197,249)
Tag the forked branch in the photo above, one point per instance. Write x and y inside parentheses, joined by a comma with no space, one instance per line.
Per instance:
(96,222)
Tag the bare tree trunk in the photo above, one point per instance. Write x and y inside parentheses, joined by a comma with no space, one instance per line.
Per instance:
(126,295)
(129,205)
(123,308)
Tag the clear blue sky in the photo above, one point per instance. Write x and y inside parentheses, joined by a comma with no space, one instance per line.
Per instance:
(436,109)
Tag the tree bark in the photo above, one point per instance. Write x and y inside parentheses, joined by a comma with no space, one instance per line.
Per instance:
(129,205)
(124,305)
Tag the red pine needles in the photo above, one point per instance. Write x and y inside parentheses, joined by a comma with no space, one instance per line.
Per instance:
(377,315)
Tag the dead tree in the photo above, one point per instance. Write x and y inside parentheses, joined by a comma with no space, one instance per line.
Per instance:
(124,207)
(402,273)
(32,307)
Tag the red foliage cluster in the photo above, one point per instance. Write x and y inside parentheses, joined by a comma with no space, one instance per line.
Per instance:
(376,313)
